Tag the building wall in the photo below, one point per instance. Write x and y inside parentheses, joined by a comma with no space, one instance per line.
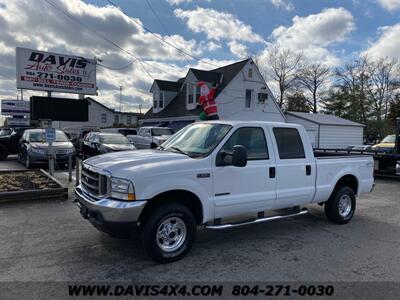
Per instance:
(311,128)
(231,101)
(95,118)
(340,136)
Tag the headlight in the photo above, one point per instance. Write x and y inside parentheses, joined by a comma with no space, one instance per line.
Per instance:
(38,151)
(122,189)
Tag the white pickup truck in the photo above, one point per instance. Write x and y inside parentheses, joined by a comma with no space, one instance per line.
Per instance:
(212,172)
(150,137)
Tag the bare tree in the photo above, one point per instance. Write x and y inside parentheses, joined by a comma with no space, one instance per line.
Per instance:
(383,85)
(313,77)
(284,64)
(354,77)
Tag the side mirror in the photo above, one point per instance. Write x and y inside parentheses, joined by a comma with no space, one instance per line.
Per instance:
(239,156)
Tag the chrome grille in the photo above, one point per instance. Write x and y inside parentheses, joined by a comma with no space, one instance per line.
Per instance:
(94,183)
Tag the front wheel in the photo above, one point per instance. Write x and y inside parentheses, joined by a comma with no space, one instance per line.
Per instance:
(169,233)
(340,207)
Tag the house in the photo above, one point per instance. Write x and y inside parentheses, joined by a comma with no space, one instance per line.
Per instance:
(242,94)
(102,116)
(328,131)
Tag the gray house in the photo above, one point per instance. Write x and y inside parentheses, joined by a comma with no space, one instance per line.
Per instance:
(328,131)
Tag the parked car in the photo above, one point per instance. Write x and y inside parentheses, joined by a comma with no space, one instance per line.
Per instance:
(151,137)
(77,133)
(212,171)
(124,131)
(9,143)
(100,142)
(386,145)
(33,148)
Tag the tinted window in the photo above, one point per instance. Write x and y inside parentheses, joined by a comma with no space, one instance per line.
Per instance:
(289,143)
(252,138)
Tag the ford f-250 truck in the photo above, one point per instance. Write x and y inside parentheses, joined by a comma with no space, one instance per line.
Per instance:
(212,171)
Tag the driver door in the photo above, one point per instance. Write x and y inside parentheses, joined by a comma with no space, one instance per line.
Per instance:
(249,189)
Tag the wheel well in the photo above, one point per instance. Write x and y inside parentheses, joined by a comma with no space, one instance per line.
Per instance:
(184,197)
(348,180)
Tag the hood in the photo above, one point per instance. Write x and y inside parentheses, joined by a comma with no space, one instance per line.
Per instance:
(383,145)
(56,145)
(162,137)
(117,161)
(119,147)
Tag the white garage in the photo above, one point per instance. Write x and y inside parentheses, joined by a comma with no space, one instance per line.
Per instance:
(328,131)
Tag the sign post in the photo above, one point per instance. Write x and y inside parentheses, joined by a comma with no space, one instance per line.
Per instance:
(50,137)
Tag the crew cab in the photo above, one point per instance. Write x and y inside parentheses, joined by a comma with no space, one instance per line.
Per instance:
(150,137)
(212,172)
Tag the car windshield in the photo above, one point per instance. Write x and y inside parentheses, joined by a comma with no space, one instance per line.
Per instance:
(389,139)
(161,131)
(197,140)
(113,139)
(39,137)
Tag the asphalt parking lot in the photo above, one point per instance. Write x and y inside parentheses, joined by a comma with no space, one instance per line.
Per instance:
(49,240)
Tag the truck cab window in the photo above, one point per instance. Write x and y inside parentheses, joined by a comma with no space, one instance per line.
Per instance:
(252,138)
(290,145)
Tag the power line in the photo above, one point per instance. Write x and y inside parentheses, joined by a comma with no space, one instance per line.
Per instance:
(163,25)
(158,37)
(100,35)
(116,69)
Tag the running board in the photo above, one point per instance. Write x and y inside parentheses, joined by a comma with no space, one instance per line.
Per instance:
(261,220)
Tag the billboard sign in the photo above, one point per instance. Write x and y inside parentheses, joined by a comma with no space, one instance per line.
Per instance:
(47,71)
(15,108)
(18,121)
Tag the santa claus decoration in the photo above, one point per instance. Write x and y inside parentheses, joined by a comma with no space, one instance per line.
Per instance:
(207,102)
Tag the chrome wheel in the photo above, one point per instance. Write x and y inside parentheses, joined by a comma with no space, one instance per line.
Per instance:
(345,205)
(171,234)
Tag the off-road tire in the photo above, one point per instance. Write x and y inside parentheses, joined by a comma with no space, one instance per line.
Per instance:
(3,153)
(155,221)
(335,211)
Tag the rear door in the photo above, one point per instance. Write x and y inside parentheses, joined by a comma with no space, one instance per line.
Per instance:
(248,189)
(295,172)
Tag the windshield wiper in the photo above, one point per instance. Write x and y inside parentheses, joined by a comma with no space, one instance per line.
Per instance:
(180,151)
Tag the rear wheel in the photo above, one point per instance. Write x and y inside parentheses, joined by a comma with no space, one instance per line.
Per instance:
(169,233)
(3,152)
(340,207)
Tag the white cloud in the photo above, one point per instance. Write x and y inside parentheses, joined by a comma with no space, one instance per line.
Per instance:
(390,5)
(238,49)
(287,5)
(40,26)
(314,34)
(388,44)
(217,25)
(177,2)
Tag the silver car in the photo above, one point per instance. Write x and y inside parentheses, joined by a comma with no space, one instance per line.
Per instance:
(33,149)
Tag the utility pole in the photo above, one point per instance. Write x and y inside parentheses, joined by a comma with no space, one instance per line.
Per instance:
(140,108)
(120,98)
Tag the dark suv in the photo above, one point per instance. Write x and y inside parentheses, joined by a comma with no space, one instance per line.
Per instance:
(9,142)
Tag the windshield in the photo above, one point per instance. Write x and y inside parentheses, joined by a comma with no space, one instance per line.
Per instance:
(161,131)
(113,139)
(39,137)
(389,139)
(197,140)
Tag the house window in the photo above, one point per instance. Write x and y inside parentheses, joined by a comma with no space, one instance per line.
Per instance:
(161,105)
(155,100)
(250,73)
(248,100)
(116,119)
(103,118)
(129,119)
(189,90)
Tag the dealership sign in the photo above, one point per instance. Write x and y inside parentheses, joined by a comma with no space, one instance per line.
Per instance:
(15,108)
(47,71)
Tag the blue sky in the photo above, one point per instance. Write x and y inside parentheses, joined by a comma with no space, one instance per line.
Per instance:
(217,31)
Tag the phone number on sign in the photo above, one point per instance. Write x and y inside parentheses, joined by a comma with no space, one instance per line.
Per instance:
(282,290)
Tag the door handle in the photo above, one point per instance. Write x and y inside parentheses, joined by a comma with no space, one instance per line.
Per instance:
(272,172)
(308,170)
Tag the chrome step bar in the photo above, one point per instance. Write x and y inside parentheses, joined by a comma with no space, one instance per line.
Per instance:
(260,220)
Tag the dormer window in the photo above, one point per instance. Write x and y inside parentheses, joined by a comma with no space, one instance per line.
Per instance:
(250,73)
(155,100)
(192,95)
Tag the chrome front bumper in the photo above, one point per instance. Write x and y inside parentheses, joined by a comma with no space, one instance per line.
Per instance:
(108,210)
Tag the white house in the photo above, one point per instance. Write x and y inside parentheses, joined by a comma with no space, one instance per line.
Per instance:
(102,116)
(242,94)
(328,131)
